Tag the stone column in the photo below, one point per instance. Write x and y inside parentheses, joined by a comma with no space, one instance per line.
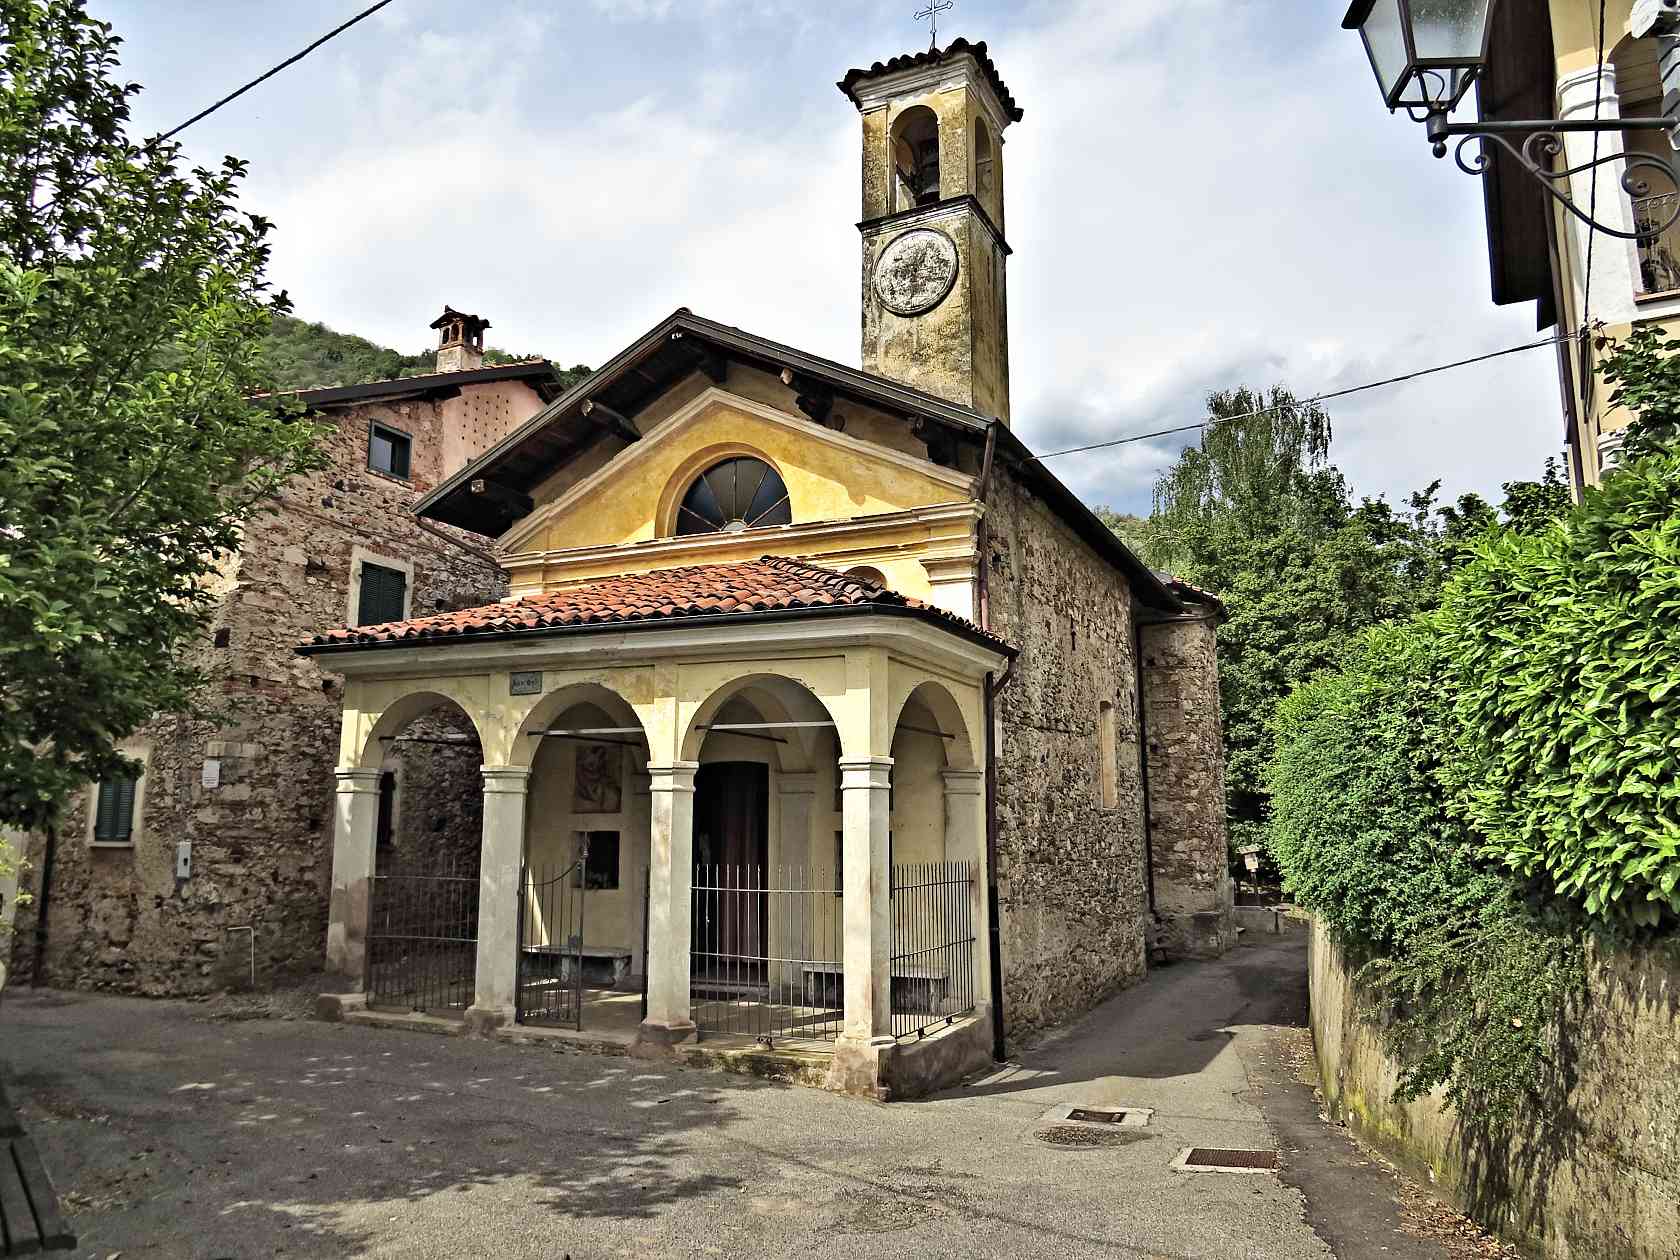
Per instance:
(866,1031)
(355,836)
(1615,262)
(670,904)
(965,841)
(501,858)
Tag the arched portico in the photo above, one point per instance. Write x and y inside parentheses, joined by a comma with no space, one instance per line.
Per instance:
(805,721)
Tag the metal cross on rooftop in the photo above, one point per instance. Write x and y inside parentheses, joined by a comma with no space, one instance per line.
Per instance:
(931,13)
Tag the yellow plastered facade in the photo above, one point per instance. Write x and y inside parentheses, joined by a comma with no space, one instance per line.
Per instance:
(854,503)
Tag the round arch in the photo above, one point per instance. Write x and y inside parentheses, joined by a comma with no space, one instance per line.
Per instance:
(914,151)
(399,713)
(671,497)
(556,703)
(948,720)
(778,699)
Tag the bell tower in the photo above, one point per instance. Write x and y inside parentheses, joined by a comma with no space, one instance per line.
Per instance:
(935,313)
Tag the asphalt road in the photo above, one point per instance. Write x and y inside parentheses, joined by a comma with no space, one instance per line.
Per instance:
(172,1134)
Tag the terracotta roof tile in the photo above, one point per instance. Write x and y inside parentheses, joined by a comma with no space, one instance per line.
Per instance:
(933,56)
(768,585)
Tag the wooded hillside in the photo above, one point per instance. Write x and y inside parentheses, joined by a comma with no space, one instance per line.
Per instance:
(304,355)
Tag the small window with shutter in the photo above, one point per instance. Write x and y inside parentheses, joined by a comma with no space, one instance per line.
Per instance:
(383,595)
(113,821)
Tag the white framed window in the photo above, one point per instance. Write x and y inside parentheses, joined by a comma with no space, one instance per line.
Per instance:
(116,808)
(381,588)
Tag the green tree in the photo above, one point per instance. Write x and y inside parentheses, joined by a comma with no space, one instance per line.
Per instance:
(132,306)
(1258,515)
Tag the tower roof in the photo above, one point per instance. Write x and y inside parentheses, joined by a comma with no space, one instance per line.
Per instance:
(956,49)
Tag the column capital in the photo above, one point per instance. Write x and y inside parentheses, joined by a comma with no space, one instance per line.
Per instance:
(357,779)
(510,779)
(865,772)
(963,782)
(674,776)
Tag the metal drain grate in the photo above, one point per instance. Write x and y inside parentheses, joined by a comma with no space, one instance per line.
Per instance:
(1214,1160)
(1097,1117)
(1080,1137)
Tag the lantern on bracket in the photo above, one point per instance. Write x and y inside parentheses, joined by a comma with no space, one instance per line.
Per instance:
(1427,54)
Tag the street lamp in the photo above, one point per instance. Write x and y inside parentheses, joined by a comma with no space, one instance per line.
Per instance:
(1427,53)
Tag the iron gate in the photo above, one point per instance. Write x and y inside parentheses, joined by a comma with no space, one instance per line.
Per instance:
(550,988)
(423,940)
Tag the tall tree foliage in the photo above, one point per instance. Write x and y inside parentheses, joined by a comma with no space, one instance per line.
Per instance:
(1257,514)
(132,305)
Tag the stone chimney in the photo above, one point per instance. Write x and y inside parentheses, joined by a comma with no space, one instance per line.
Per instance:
(460,341)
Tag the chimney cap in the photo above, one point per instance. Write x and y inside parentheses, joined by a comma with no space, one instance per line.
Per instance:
(471,323)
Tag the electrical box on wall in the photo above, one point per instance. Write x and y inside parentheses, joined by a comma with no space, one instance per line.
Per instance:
(183,859)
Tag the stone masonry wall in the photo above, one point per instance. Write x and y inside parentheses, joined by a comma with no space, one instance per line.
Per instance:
(439,816)
(1071,893)
(1595,1171)
(1194,895)
(262,836)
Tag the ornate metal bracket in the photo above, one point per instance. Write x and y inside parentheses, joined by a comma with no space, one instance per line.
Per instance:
(1544,143)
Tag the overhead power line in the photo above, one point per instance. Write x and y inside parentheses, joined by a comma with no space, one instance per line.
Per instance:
(270,73)
(1307,402)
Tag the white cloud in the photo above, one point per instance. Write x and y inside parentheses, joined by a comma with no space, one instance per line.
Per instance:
(1197,198)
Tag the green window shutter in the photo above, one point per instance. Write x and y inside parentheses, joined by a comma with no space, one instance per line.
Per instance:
(113,821)
(382,595)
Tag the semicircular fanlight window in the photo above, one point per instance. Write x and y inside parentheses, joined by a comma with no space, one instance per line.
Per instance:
(737,494)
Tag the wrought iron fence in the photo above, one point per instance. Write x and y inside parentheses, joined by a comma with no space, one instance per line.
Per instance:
(423,939)
(1659,256)
(551,953)
(932,964)
(765,961)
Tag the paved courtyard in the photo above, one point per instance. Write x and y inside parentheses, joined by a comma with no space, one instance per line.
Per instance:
(174,1134)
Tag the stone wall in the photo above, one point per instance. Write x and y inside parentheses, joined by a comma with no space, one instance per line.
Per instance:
(261,836)
(1070,868)
(438,823)
(1598,1175)
(1194,895)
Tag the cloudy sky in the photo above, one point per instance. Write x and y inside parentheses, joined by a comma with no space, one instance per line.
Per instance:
(1204,193)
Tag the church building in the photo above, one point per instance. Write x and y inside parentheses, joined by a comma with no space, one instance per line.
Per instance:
(819,715)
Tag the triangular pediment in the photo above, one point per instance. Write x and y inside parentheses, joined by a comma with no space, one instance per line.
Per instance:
(830,476)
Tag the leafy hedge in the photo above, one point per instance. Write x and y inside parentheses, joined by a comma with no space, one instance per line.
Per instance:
(1465,973)
(1562,655)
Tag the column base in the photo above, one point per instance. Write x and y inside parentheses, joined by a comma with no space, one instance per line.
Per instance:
(333,1007)
(483,1021)
(862,1068)
(658,1034)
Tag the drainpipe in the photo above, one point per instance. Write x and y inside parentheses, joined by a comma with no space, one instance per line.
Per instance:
(38,975)
(994,686)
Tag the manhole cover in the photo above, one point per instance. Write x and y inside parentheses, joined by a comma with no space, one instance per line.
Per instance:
(1079,1136)
(1213,1159)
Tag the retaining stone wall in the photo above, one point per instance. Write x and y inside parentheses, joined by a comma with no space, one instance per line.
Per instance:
(1597,1172)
